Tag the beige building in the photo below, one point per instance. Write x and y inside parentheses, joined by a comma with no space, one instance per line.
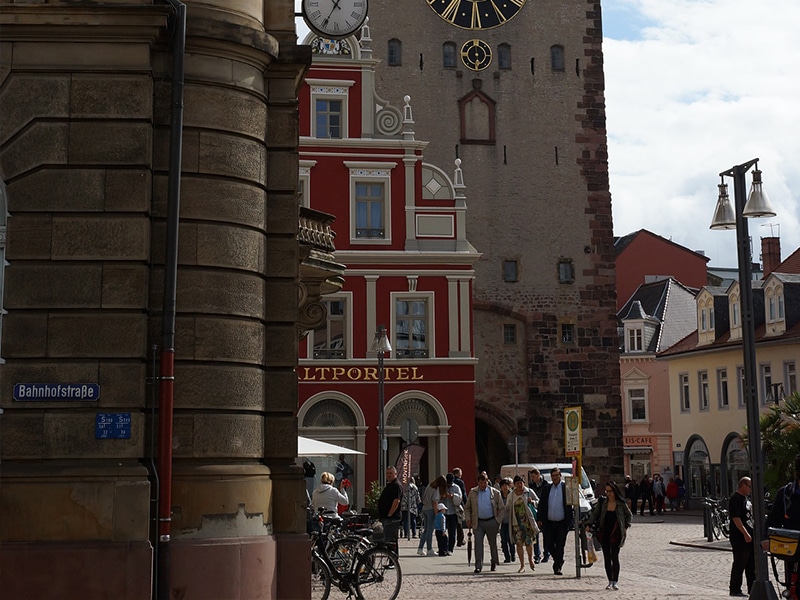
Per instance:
(706,372)
(515,90)
(105,202)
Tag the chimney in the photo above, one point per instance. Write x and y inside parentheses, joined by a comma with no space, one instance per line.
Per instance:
(770,254)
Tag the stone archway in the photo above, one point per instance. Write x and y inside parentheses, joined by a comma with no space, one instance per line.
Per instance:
(336,418)
(432,423)
(493,432)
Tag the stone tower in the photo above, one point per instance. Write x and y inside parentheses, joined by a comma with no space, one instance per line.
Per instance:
(86,155)
(515,89)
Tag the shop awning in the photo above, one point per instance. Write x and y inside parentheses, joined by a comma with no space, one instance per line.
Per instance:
(638,449)
(308,447)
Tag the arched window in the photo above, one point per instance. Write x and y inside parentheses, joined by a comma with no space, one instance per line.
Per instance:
(449,55)
(504,56)
(395,52)
(557,58)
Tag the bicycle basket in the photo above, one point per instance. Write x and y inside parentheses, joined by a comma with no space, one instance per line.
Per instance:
(784,542)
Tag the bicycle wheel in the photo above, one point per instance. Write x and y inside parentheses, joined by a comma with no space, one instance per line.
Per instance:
(716,528)
(725,525)
(377,574)
(343,553)
(320,579)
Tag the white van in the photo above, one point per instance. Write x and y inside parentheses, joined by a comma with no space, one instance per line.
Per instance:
(521,469)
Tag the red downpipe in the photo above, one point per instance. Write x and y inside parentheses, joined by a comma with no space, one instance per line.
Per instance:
(167,353)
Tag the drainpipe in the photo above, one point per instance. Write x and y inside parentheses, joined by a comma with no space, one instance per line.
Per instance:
(167,353)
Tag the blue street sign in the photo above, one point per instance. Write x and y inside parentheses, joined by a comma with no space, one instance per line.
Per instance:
(56,392)
(112,426)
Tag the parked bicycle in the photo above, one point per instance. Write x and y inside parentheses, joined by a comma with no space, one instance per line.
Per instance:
(720,519)
(352,558)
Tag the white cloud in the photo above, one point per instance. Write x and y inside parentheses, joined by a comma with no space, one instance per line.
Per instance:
(694,87)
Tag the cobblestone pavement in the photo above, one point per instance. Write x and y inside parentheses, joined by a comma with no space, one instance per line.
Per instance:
(663,557)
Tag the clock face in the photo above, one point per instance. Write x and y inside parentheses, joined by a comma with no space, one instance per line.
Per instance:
(476,55)
(334,19)
(476,14)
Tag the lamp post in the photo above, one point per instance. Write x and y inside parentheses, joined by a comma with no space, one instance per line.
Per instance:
(727,217)
(381,346)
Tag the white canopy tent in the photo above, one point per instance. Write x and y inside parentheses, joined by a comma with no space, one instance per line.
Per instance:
(308,447)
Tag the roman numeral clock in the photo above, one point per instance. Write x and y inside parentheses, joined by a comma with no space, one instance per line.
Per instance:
(476,15)
(334,19)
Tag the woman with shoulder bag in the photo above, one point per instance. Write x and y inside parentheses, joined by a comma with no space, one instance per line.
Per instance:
(522,521)
(612,518)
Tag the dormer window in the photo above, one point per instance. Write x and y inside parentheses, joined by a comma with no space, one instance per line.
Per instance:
(706,320)
(774,305)
(635,339)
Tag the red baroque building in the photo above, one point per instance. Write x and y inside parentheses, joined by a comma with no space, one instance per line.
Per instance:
(400,228)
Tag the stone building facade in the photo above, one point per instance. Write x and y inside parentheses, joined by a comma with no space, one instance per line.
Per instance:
(85,148)
(515,89)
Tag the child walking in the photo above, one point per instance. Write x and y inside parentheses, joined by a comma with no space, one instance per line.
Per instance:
(440,527)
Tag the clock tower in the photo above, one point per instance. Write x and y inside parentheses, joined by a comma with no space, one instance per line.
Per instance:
(514,88)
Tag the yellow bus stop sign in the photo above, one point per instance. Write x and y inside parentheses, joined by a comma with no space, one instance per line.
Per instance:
(573,436)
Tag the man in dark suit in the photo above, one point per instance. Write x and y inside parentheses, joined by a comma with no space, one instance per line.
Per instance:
(555,518)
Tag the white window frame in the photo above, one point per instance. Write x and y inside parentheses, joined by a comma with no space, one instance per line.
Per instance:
(765,381)
(634,338)
(330,89)
(643,398)
(703,391)
(789,377)
(304,182)
(740,386)
(723,393)
(371,173)
(347,298)
(685,392)
(430,340)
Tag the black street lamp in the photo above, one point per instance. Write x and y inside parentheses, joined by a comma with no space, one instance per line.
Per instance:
(381,346)
(727,217)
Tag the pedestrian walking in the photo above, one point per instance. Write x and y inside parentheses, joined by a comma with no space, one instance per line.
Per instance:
(646,494)
(440,526)
(611,519)
(536,484)
(659,493)
(430,506)
(452,500)
(409,507)
(506,539)
(523,521)
(483,512)
(555,518)
(460,509)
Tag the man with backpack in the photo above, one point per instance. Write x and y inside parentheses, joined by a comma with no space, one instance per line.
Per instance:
(785,514)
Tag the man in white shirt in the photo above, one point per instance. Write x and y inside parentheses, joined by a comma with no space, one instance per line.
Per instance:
(483,512)
(555,518)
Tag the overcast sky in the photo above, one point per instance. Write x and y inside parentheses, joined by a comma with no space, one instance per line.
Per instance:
(694,87)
